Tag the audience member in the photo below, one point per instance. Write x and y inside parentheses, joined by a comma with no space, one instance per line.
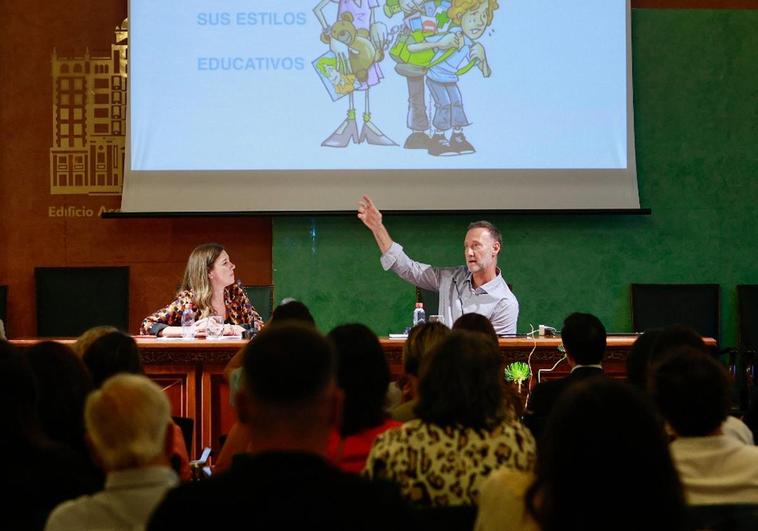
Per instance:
(116,353)
(290,405)
(292,312)
(584,339)
(110,354)
(474,322)
(653,345)
(363,375)
(63,383)
(37,473)
(287,312)
(421,340)
(638,359)
(465,428)
(692,391)
(603,464)
(2,331)
(90,336)
(127,421)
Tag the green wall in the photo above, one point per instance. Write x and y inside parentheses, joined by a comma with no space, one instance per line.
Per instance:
(696,121)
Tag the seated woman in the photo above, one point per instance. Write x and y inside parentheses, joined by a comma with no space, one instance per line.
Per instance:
(465,428)
(603,464)
(363,375)
(208,288)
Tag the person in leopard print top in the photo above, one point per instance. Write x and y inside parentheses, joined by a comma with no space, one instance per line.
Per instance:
(465,428)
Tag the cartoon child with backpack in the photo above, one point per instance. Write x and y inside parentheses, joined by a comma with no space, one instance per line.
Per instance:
(456,52)
(421,18)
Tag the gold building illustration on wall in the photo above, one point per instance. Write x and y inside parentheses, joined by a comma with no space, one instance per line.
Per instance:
(89,120)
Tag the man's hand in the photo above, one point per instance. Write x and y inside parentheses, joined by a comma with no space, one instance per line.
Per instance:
(372,218)
(369,214)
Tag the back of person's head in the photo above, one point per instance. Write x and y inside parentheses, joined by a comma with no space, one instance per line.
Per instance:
(292,311)
(673,337)
(638,359)
(363,375)
(84,341)
(460,383)
(474,322)
(604,463)
(584,337)
(64,384)
(126,420)
(691,390)
(288,365)
(19,422)
(421,340)
(112,354)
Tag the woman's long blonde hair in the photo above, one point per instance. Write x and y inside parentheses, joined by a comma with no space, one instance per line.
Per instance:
(196,280)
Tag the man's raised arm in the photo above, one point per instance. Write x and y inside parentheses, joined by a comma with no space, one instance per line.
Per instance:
(372,218)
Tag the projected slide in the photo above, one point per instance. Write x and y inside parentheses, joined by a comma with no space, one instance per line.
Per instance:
(435,85)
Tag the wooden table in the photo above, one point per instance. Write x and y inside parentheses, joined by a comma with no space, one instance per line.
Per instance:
(191,372)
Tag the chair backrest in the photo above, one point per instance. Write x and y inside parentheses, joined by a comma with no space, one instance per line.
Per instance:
(660,305)
(71,300)
(430,299)
(747,317)
(4,306)
(722,517)
(262,298)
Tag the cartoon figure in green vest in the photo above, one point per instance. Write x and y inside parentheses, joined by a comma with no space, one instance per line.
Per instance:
(455,53)
(421,19)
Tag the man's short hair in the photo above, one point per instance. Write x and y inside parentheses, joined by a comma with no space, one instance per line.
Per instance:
(692,391)
(584,338)
(127,419)
(493,230)
(288,364)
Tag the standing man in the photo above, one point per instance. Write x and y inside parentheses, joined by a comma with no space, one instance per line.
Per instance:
(477,287)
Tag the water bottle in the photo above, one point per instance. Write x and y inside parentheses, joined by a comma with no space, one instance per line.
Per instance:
(419,315)
(188,323)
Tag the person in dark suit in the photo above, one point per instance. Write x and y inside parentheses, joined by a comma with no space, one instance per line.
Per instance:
(584,339)
(290,404)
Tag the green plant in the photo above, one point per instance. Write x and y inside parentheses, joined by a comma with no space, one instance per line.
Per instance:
(518,372)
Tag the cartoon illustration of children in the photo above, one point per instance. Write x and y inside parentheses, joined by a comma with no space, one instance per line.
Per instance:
(422,18)
(360,14)
(456,52)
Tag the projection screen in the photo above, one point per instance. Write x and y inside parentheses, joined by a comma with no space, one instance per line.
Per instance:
(289,106)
